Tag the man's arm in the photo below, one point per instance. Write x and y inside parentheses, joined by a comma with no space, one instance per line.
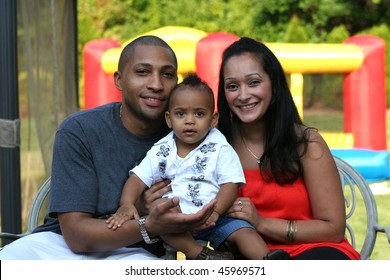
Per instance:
(84,234)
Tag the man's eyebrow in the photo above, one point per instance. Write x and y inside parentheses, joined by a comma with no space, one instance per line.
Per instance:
(145,64)
(170,66)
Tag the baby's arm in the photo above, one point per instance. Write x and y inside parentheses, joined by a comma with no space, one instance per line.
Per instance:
(132,189)
(225,198)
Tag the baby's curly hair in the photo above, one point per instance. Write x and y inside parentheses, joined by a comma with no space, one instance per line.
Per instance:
(194,81)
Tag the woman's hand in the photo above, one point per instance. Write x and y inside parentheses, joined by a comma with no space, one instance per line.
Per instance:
(164,218)
(243,208)
(144,202)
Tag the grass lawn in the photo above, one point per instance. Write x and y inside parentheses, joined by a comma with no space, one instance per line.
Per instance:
(359,220)
(382,246)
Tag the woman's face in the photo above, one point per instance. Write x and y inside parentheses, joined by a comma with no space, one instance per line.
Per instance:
(248,88)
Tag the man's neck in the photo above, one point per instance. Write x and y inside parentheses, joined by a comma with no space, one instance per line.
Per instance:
(143,128)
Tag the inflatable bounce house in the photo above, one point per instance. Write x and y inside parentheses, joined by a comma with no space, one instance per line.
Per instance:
(360,58)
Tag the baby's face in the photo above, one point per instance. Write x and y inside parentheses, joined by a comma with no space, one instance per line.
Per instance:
(191,115)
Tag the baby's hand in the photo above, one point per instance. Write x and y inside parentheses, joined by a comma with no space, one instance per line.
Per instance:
(123,214)
(213,218)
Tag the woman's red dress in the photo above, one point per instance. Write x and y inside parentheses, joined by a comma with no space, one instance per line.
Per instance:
(289,202)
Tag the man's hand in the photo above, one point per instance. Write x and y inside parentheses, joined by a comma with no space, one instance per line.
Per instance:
(164,219)
(144,202)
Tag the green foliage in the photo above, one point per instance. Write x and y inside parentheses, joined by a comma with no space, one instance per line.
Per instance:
(317,16)
(89,24)
(295,33)
(338,35)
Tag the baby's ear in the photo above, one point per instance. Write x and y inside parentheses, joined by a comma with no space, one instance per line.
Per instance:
(215,118)
(168,119)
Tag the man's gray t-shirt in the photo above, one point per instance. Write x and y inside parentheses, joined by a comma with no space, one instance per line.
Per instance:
(93,153)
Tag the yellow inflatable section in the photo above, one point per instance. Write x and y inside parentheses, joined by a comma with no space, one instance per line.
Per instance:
(295,58)
(182,40)
(318,58)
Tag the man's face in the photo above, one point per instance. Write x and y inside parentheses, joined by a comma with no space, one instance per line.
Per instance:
(146,82)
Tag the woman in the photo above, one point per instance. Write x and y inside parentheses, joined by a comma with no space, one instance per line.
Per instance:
(293,195)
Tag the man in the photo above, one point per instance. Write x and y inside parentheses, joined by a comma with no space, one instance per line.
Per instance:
(93,152)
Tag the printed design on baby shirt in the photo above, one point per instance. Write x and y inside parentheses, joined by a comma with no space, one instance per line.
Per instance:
(164,151)
(200,164)
(162,162)
(200,178)
(193,192)
(208,148)
(199,167)
(162,167)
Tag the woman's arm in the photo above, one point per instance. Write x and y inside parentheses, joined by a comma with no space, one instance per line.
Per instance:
(324,189)
(326,198)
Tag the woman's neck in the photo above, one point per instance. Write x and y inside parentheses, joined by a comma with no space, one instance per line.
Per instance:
(251,133)
(249,144)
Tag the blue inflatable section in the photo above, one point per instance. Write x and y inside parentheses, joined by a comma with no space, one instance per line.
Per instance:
(372,165)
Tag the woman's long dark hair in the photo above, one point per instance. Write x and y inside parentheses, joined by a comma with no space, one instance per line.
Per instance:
(281,159)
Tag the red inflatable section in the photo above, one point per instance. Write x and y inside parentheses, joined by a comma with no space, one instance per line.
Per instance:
(365,95)
(99,87)
(209,57)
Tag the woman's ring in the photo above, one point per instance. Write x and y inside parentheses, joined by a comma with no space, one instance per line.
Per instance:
(239,203)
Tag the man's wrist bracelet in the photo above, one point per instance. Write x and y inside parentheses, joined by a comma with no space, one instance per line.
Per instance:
(144,233)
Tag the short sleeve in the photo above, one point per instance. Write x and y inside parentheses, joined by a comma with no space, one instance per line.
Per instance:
(145,170)
(229,169)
